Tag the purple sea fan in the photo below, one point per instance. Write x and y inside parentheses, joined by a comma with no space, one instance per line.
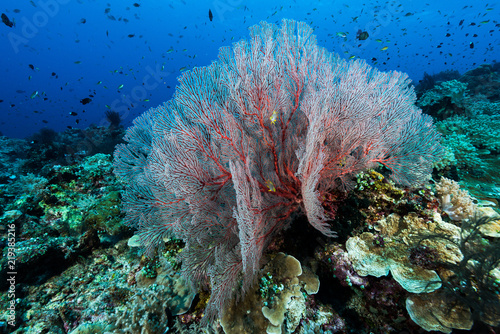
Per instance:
(265,131)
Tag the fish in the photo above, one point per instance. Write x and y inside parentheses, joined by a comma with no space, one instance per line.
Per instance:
(85,100)
(31,66)
(362,35)
(270,185)
(83,20)
(72,113)
(274,117)
(471,45)
(136,4)
(384,48)
(120,87)
(131,35)
(210,15)
(183,69)
(34,94)
(6,20)
(78,62)
(342,34)
(99,82)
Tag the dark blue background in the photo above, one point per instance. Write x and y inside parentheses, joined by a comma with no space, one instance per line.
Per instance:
(53,38)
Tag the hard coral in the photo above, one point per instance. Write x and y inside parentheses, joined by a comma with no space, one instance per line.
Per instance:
(445,99)
(287,283)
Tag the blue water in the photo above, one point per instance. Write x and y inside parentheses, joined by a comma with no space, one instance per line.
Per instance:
(172,35)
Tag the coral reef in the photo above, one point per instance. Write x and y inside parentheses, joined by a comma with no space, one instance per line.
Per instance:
(47,148)
(469,122)
(405,259)
(456,202)
(429,81)
(445,99)
(281,303)
(301,140)
(484,80)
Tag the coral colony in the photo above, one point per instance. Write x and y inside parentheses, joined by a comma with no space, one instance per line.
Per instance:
(282,189)
(257,137)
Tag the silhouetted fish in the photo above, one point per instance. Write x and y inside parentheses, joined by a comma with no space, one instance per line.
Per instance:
(362,35)
(6,20)
(210,15)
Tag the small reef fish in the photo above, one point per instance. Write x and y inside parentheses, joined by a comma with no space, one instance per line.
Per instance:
(270,185)
(6,20)
(362,35)
(274,117)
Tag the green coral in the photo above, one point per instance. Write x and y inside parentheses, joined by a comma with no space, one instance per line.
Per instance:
(482,131)
(444,100)
(470,143)
(374,181)
(83,196)
(104,213)
(150,268)
(97,165)
(479,105)
(268,289)
(463,153)
(453,89)
(172,249)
